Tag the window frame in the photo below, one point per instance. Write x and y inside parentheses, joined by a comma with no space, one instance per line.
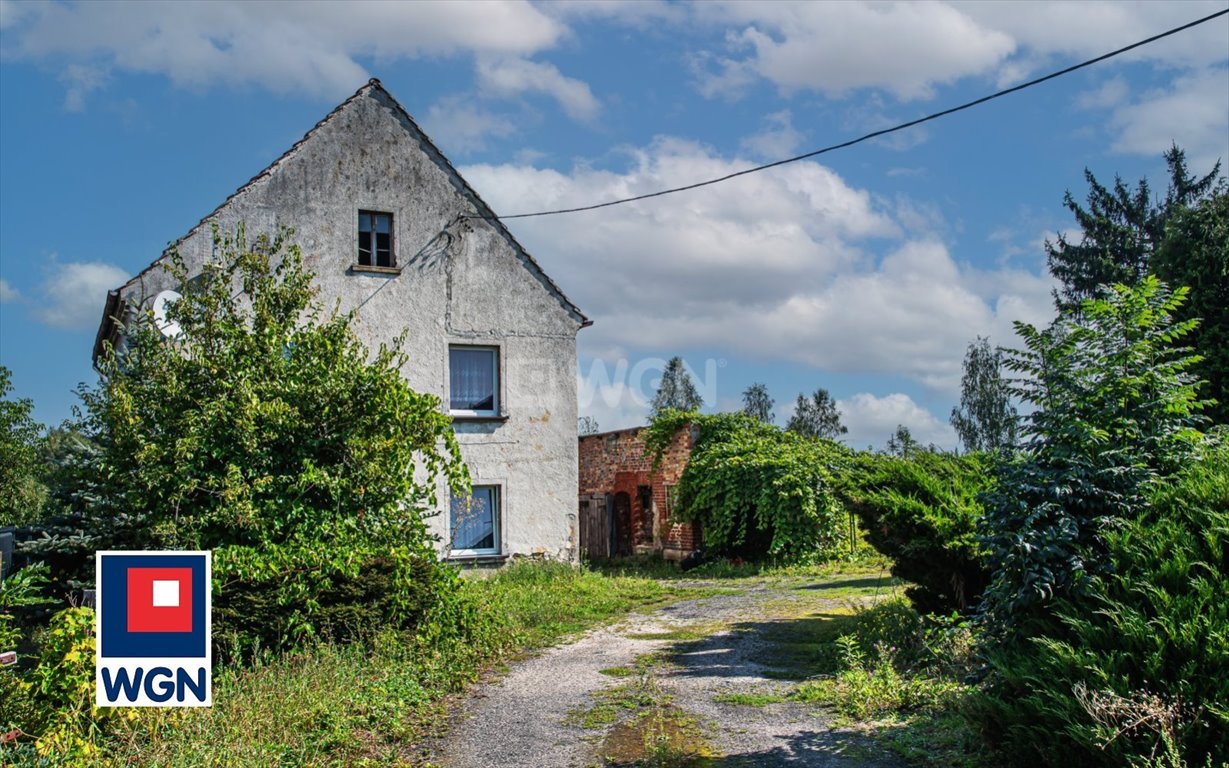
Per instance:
(372,246)
(497,395)
(496,494)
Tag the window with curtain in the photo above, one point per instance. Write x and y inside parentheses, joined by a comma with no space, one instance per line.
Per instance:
(474,522)
(473,386)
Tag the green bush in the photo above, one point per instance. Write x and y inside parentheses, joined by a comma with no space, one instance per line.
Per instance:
(280,599)
(1141,668)
(892,625)
(1116,410)
(922,512)
(53,700)
(756,490)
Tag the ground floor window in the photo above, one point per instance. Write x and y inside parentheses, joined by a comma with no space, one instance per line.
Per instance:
(474,522)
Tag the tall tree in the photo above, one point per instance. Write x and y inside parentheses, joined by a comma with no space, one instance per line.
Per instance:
(677,391)
(986,419)
(902,442)
(817,416)
(1120,230)
(1115,410)
(757,403)
(21,489)
(1195,253)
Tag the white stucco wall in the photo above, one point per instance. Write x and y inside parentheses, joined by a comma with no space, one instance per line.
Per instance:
(460,282)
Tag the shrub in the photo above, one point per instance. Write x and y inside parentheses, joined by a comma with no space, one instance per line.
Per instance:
(280,599)
(53,702)
(922,512)
(883,667)
(20,590)
(891,624)
(756,490)
(1115,410)
(1141,667)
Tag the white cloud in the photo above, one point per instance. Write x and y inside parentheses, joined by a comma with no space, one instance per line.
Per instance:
(871,420)
(778,140)
(74,292)
(12,12)
(460,124)
(613,405)
(908,49)
(1192,112)
(314,49)
(791,264)
(1042,30)
(7,292)
(834,48)
(1111,93)
(79,81)
(510,78)
(639,14)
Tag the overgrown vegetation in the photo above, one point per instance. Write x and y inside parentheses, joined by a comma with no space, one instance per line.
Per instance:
(329,703)
(258,431)
(1100,639)
(1095,550)
(21,491)
(1115,409)
(922,512)
(1137,668)
(884,669)
(756,490)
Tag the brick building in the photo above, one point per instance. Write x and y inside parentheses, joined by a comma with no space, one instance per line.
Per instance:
(626,502)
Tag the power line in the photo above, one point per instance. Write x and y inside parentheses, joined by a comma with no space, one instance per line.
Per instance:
(869,136)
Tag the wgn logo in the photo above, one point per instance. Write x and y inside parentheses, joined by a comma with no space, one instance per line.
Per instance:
(153,625)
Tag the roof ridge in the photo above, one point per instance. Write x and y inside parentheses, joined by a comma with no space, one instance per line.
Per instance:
(487,214)
(371,85)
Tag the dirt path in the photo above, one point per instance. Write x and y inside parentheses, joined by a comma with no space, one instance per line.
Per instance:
(667,680)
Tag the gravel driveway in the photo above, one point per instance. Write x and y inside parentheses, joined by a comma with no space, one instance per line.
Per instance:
(544,712)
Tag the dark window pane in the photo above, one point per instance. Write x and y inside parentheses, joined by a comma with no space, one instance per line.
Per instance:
(375,239)
(472,379)
(384,251)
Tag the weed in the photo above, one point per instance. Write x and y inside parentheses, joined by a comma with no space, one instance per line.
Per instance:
(759,699)
(617,671)
(869,689)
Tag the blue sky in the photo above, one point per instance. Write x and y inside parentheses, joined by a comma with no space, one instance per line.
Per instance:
(866,271)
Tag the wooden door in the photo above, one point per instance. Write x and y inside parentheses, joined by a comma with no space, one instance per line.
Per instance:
(594,528)
(622,519)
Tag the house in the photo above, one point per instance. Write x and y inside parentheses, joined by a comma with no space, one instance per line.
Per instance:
(392,231)
(627,497)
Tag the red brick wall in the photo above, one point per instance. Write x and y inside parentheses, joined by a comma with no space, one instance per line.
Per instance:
(615,461)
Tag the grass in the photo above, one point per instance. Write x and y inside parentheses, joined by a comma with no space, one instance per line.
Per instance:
(875,668)
(760,699)
(374,703)
(865,563)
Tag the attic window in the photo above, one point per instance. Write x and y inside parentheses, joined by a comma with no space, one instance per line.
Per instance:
(375,239)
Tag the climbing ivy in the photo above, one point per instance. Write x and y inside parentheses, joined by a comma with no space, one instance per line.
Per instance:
(755,489)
